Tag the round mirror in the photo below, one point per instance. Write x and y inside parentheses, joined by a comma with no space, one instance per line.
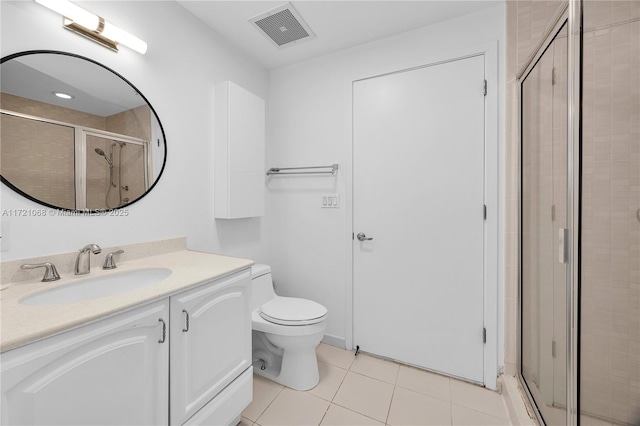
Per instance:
(74,134)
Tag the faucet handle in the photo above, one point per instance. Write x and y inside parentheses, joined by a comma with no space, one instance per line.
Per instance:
(109,263)
(50,273)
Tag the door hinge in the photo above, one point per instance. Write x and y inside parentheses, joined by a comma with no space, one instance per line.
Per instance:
(553,348)
(484,211)
(553,76)
(353,236)
(553,213)
(485,87)
(484,335)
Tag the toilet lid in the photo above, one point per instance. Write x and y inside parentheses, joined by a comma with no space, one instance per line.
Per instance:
(292,311)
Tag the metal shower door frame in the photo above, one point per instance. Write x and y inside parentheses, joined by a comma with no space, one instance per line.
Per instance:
(571,14)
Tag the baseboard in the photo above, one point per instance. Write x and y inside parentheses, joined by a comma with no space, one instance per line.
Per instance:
(336,341)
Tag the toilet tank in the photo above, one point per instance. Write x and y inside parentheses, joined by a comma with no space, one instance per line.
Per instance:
(261,285)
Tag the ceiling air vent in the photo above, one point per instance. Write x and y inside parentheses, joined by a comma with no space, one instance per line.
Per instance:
(283,26)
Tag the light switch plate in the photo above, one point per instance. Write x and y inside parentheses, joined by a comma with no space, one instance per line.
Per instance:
(330,201)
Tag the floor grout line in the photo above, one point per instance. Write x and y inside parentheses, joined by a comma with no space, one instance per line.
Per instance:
(450,402)
(339,386)
(269,404)
(386,420)
(358,413)
(395,384)
(325,414)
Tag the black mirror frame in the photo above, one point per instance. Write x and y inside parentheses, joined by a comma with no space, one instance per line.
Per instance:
(81,212)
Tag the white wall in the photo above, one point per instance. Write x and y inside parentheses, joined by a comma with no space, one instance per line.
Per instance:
(309,122)
(308,247)
(177,75)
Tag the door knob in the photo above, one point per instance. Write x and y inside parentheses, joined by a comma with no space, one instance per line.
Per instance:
(363,237)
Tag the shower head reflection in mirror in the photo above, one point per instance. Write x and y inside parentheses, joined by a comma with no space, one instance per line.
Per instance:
(101,152)
(115,174)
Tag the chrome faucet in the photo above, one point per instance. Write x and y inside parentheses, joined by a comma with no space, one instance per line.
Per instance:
(83,261)
(109,263)
(50,273)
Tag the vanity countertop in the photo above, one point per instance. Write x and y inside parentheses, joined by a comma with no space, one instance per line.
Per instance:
(22,324)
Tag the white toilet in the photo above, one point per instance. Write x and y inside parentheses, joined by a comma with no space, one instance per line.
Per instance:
(286,332)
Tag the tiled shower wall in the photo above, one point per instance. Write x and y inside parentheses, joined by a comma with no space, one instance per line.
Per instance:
(41,160)
(610,282)
(50,111)
(610,299)
(135,122)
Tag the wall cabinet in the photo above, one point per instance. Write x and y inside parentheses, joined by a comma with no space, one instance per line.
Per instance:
(117,371)
(239,153)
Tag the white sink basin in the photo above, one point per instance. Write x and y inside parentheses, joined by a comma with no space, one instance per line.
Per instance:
(98,287)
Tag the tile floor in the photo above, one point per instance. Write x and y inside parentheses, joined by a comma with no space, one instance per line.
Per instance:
(364,390)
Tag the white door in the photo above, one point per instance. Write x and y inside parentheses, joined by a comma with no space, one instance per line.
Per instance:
(418,178)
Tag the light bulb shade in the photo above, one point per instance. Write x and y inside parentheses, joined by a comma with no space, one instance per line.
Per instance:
(93,27)
(72,12)
(118,35)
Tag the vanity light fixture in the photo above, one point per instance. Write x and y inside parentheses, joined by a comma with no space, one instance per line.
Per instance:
(93,27)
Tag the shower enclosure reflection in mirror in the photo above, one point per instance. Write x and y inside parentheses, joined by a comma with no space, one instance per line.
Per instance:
(75,134)
(61,182)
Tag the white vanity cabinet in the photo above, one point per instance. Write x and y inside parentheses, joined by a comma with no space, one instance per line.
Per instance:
(182,360)
(210,346)
(110,372)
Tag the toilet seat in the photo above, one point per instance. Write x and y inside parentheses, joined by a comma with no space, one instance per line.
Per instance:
(292,311)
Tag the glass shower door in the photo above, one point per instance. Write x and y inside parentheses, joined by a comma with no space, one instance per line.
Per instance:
(543,218)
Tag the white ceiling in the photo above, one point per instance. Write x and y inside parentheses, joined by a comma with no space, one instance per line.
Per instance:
(337,24)
(94,89)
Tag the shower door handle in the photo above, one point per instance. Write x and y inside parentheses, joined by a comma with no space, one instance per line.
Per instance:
(563,245)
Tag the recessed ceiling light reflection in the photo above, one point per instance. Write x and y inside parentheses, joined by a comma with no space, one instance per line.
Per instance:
(62,95)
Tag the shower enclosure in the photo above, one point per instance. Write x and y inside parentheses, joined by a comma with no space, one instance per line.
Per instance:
(579,316)
(70,166)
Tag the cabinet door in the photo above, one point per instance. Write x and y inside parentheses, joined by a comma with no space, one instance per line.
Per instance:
(239,153)
(111,372)
(210,342)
